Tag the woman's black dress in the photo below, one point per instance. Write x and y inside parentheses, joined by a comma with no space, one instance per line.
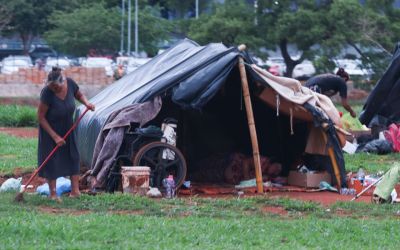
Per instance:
(65,161)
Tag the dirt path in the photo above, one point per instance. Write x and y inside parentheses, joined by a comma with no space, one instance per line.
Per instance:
(20,132)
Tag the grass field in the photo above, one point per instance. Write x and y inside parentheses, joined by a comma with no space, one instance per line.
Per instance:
(17,153)
(122,221)
(17,116)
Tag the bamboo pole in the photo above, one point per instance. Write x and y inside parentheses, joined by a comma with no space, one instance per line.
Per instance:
(333,161)
(251,123)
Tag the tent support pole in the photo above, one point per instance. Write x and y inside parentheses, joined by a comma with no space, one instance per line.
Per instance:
(333,161)
(251,123)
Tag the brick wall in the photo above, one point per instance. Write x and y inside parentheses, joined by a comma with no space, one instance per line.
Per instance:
(86,76)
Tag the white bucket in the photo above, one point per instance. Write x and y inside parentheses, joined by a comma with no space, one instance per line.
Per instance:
(135,180)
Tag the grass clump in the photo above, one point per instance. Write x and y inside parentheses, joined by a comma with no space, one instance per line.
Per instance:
(17,153)
(17,116)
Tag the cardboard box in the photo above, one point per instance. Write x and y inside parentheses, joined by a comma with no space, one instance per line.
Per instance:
(308,179)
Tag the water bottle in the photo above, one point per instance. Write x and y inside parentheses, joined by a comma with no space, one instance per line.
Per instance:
(361,176)
(169,185)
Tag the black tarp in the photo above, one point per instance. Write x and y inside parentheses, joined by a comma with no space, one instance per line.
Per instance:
(187,62)
(191,75)
(383,104)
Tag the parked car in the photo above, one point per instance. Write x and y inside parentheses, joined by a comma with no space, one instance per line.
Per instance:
(51,62)
(14,63)
(353,68)
(100,62)
(304,70)
(42,52)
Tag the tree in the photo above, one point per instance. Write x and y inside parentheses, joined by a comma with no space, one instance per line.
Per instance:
(29,17)
(88,27)
(95,26)
(5,17)
(232,24)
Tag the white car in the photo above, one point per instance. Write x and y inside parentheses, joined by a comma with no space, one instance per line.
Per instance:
(304,69)
(353,67)
(134,63)
(14,63)
(51,62)
(100,62)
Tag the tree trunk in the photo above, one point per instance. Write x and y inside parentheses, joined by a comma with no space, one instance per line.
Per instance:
(26,42)
(290,63)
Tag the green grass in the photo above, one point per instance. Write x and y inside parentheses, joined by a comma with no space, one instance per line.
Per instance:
(17,116)
(122,221)
(370,162)
(17,153)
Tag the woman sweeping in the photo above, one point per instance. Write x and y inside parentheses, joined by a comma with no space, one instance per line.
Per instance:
(55,115)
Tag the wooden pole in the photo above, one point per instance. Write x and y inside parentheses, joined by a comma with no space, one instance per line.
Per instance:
(250,119)
(333,161)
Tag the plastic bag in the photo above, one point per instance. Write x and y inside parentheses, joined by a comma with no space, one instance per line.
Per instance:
(63,185)
(11,184)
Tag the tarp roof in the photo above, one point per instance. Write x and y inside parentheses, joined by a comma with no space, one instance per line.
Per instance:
(175,69)
(383,104)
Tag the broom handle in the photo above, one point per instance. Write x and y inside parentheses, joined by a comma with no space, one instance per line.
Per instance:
(55,149)
(367,188)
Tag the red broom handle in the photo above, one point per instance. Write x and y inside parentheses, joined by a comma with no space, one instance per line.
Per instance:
(55,148)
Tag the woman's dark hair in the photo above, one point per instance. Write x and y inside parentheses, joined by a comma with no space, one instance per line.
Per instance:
(55,76)
(343,74)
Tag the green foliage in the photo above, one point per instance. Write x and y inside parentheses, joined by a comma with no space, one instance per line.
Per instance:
(17,153)
(17,116)
(152,29)
(232,24)
(95,26)
(88,27)
(30,17)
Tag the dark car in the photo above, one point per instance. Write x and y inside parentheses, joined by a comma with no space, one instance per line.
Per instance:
(42,52)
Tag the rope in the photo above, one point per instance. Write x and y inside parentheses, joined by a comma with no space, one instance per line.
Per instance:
(291,121)
(278,103)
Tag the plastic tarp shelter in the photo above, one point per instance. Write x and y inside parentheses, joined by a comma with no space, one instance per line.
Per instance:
(174,72)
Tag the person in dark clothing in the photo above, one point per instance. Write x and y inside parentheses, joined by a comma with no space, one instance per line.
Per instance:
(330,84)
(55,116)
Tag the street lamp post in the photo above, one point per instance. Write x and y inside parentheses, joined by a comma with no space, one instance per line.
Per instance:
(122,25)
(197,9)
(128,49)
(136,28)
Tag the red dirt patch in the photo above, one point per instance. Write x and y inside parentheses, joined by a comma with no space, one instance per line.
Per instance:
(274,210)
(20,132)
(52,210)
(324,198)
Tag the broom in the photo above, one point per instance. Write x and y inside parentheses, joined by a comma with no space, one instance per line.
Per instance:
(20,196)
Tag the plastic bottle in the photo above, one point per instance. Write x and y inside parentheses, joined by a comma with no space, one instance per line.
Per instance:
(361,176)
(169,185)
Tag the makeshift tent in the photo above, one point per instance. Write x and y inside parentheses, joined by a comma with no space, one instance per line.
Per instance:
(383,104)
(202,87)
